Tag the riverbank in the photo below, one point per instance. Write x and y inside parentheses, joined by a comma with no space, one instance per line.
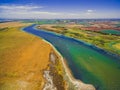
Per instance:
(72,83)
(68,80)
(87,62)
(30,63)
(95,38)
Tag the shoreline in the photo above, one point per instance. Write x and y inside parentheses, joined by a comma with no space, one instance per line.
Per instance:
(95,47)
(78,84)
(74,83)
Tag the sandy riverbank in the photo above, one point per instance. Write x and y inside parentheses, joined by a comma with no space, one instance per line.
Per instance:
(72,83)
(24,60)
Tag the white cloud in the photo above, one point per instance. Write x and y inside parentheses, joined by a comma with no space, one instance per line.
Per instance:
(26,11)
(19,7)
(32,11)
(29,11)
(89,12)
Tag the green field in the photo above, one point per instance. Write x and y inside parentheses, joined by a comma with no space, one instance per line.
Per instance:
(104,41)
(115,32)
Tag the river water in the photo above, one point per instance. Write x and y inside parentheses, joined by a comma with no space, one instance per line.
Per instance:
(87,62)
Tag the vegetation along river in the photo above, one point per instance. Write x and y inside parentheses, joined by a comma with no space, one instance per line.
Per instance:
(86,62)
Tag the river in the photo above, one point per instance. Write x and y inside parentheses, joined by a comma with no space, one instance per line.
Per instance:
(86,62)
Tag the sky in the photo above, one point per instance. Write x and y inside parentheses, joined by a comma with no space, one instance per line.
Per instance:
(59,9)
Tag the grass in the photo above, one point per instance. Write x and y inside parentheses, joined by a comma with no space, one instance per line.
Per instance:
(117,46)
(57,73)
(95,38)
(23,57)
(116,32)
(100,40)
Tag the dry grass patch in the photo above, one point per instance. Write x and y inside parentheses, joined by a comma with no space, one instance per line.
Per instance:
(117,46)
(23,57)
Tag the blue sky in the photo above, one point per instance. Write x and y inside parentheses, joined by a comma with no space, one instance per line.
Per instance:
(50,9)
